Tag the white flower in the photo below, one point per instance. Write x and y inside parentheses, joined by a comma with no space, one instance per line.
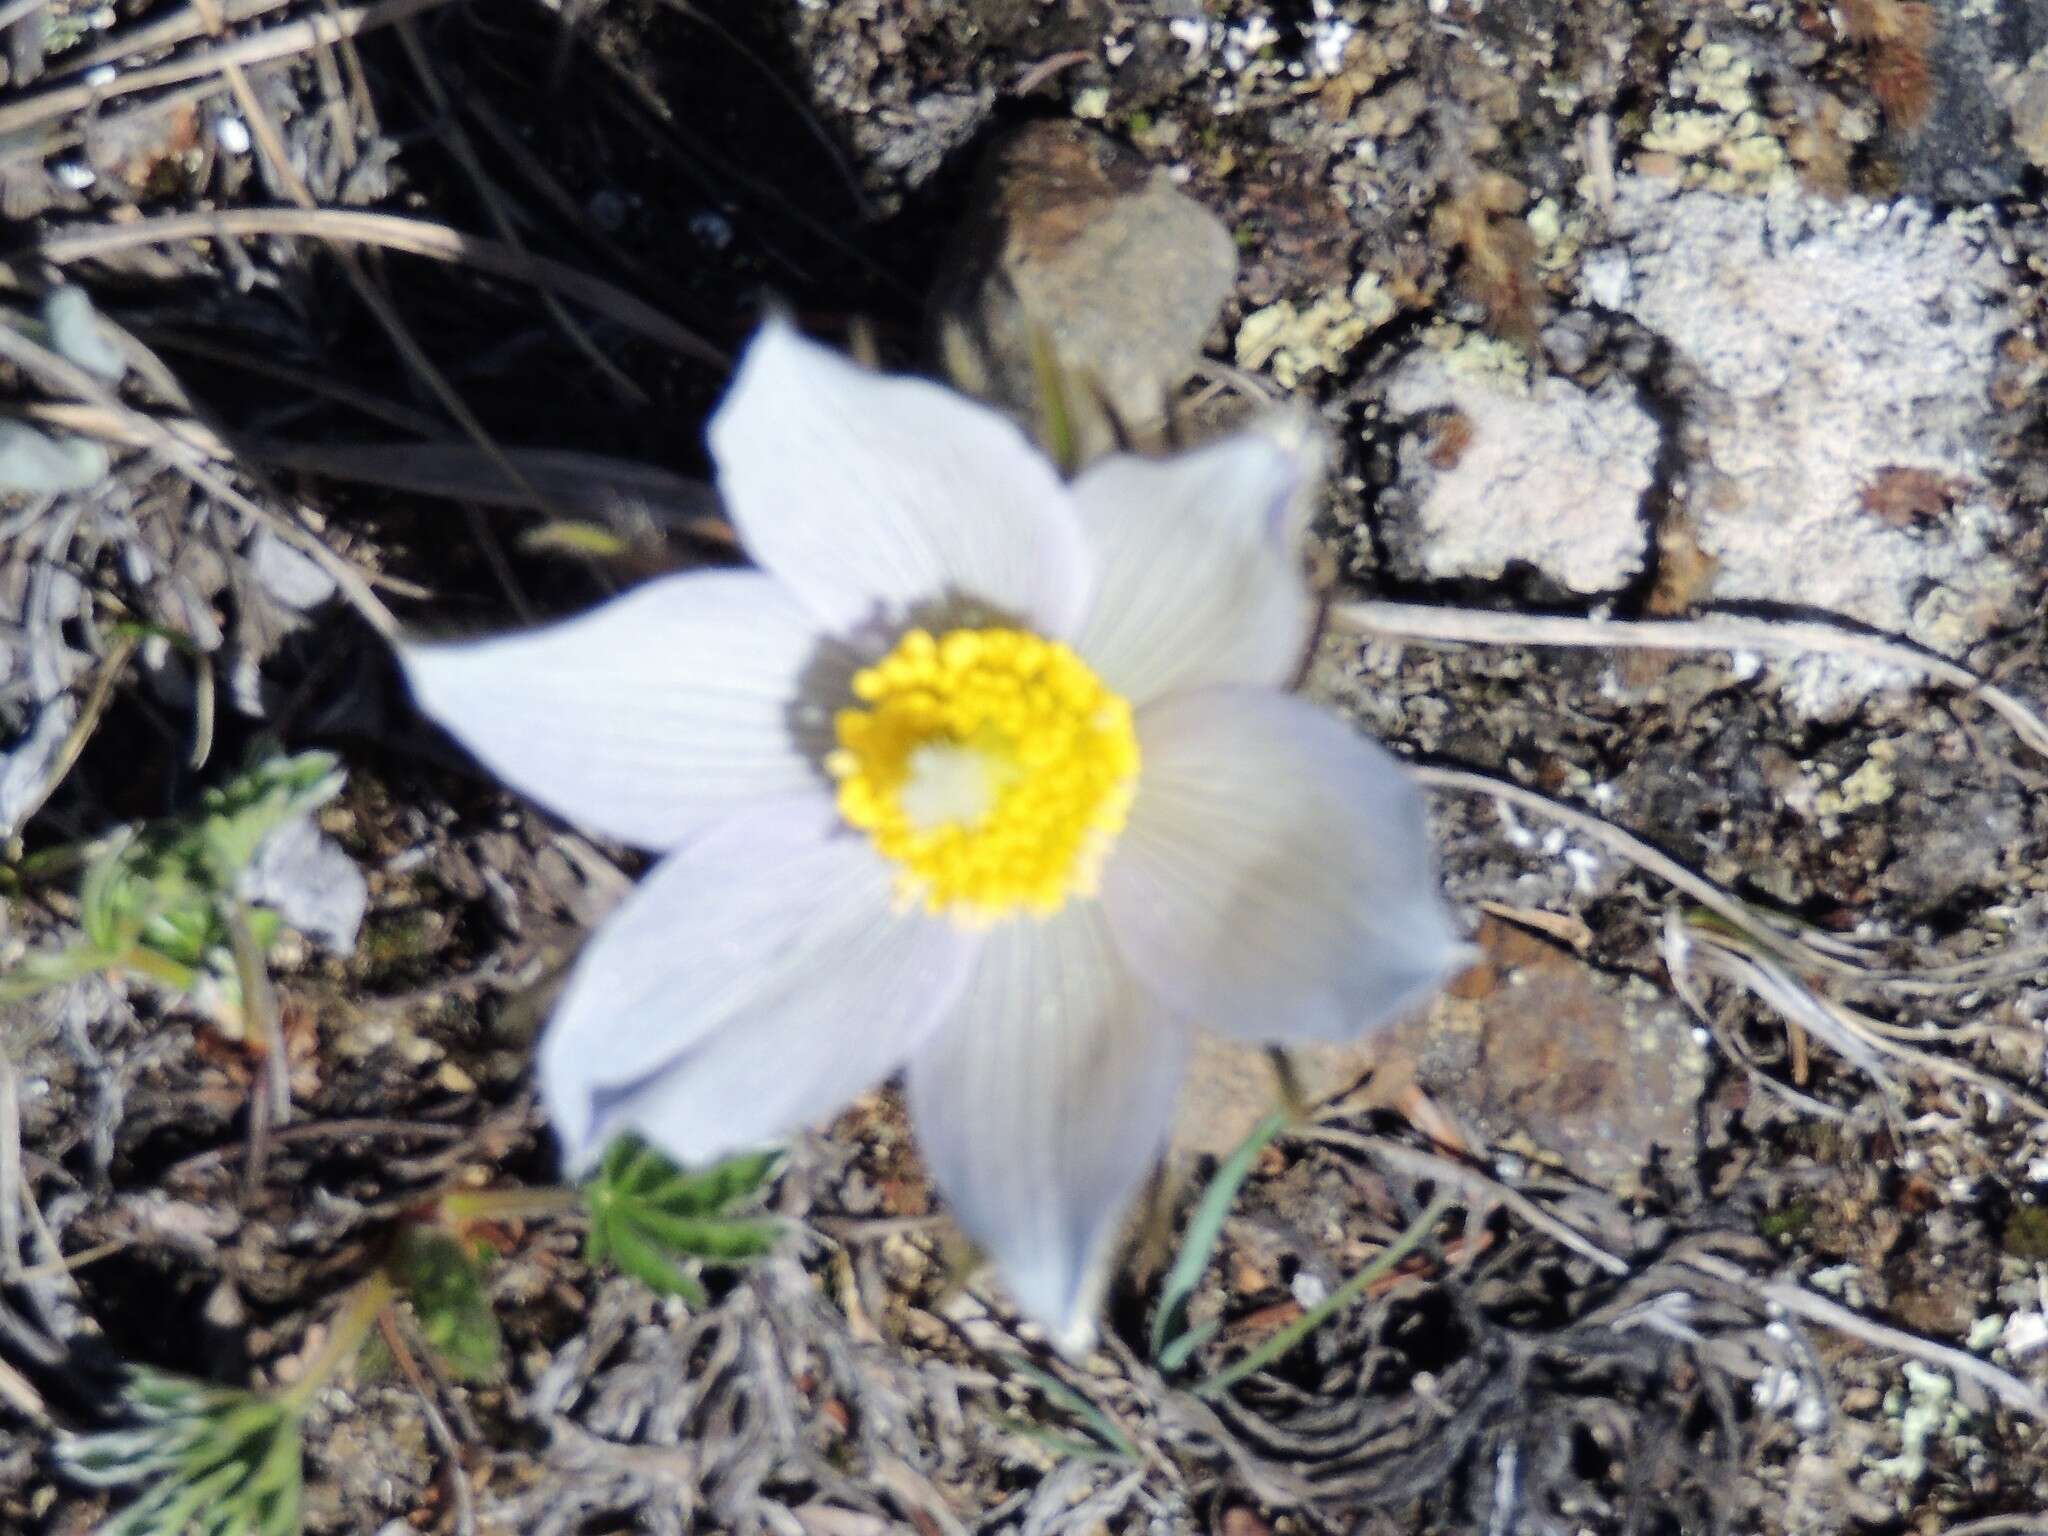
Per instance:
(982,776)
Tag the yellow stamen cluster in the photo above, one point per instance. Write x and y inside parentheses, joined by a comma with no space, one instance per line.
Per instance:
(990,765)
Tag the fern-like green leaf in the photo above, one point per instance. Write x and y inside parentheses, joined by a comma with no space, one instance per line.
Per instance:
(655,1220)
(205,1460)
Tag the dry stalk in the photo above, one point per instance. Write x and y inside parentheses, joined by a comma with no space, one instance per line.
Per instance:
(1417,621)
(48,106)
(414,237)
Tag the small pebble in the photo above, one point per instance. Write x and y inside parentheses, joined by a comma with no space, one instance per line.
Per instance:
(608,211)
(711,230)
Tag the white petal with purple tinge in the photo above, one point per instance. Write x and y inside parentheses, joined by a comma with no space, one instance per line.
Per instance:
(1274,882)
(641,719)
(754,983)
(1195,581)
(1042,1102)
(875,497)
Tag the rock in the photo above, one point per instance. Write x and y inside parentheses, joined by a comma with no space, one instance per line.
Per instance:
(72,327)
(1297,342)
(912,145)
(1834,345)
(295,580)
(1532,1050)
(2025,94)
(1230,1087)
(1496,471)
(1545,1056)
(311,882)
(1966,149)
(34,463)
(1072,237)
(28,763)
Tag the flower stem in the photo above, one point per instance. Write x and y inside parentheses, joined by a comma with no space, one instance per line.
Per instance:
(155,966)
(345,1335)
(465,1205)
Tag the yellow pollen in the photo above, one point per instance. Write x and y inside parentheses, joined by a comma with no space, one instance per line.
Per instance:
(990,765)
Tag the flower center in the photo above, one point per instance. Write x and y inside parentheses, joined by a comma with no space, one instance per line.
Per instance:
(990,765)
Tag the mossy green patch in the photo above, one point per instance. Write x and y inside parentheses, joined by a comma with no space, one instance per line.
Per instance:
(2026,1233)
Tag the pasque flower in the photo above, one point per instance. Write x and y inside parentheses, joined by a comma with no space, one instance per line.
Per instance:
(981,776)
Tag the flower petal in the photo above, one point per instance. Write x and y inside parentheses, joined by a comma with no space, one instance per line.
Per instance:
(755,982)
(1274,880)
(1193,586)
(1041,1104)
(877,497)
(645,716)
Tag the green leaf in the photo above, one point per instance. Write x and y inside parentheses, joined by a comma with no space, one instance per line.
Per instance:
(1066,1447)
(441,1277)
(165,888)
(726,1241)
(1114,1442)
(45,969)
(1412,1237)
(101,899)
(1183,1345)
(1205,1227)
(651,1218)
(573,536)
(206,1460)
(655,1181)
(638,1257)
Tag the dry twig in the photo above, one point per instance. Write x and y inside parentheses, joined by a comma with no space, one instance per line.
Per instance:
(1796,1299)
(414,237)
(1417,621)
(65,377)
(315,31)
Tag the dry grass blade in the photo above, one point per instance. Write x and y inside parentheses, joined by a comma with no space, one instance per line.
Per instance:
(263,1021)
(319,30)
(20,1393)
(376,407)
(12,1189)
(413,237)
(579,482)
(1432,1165)
(505,138)
(796,103)
(181,26)
(1863,1041)
(1416,621)
(461,472)
(379,303)
(114,427)
(1778,989)
(111,666)
(17,10)
(1644,857)
(444,1438)
(1677,949)
(494,202)
(703,164)
(64,377)
(40,148)
(1796,1299)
